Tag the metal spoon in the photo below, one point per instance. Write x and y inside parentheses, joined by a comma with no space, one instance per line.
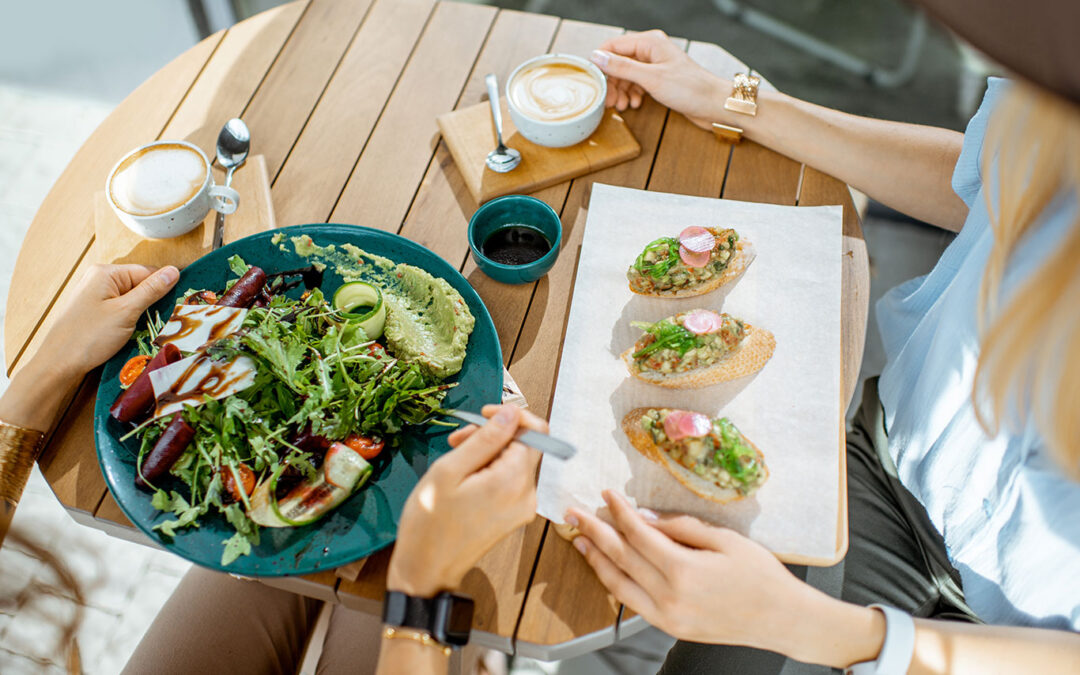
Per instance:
(233,144)
(502,158)
(549,445)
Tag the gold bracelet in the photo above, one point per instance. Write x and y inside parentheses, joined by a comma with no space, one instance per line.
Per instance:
(391,633)
(743,97)
(19,448)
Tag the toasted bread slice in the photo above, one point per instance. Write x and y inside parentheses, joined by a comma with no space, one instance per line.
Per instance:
(643,443)
(749,357)
(744,255)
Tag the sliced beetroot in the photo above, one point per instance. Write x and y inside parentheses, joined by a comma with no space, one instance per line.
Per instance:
(693,259)
(697,239)
(702,321)
(681,424)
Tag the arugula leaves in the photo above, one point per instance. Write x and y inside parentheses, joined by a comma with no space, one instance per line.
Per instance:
(315,372)
(669,335)
(661,266)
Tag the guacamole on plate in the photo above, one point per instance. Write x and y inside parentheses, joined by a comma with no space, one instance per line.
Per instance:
(427,320)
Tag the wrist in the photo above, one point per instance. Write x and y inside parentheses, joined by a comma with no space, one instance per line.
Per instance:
(418,580)
(827,631)
(36,392)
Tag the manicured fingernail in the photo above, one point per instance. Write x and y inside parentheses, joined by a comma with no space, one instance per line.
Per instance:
(506,415)
(571,519)
(600,58)
(580,545)
(648,514)
(169,274)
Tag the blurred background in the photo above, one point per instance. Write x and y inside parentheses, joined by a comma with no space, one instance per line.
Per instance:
(65,64)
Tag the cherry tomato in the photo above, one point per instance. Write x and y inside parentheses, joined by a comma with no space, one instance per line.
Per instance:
(247,478)
(201,298)
(132,369)
(367,447)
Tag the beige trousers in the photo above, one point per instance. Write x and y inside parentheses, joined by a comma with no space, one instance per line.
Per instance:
(214,623)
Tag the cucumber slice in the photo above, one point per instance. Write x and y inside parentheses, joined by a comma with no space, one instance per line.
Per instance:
(362,294)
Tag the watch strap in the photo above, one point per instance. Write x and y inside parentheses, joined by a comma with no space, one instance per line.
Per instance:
(897,650)
(447,618)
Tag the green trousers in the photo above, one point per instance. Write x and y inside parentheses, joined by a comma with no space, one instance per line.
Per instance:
(895,557)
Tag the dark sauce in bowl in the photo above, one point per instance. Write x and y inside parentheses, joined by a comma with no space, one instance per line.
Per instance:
(516,244)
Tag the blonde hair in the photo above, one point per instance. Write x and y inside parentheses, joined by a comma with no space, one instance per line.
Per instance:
(1029,365)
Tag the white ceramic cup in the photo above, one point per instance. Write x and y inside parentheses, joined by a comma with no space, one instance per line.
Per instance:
(564,132)
(183,218)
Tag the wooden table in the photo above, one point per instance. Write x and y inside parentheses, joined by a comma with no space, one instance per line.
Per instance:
(341,98)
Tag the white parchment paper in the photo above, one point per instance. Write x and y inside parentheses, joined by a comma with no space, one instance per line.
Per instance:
(790,409)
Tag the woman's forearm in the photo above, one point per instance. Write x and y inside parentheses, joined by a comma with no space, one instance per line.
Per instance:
(907,167)
(821,629)
(955,647)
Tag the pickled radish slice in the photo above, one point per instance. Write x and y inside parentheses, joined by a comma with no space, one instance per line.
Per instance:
(693,259)
(697,239)
(702,321)
(681,424)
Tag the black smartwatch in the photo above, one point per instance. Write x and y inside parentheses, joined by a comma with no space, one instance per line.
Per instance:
(446,617)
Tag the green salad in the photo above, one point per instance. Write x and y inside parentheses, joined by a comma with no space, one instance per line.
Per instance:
(321,400)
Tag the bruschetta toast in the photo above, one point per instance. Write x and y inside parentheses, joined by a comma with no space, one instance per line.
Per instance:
(698,349)
(709,456)
(700,260)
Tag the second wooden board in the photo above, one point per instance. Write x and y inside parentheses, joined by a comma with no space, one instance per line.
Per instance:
(470,136)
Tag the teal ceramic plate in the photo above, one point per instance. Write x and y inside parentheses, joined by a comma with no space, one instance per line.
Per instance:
(367,521)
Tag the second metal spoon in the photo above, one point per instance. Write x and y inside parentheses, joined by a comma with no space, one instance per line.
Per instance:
(233,144)
(502,158)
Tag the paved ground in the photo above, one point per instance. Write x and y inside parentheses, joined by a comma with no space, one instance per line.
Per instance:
(56,86)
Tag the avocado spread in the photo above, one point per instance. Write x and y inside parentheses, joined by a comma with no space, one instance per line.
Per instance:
(427,320)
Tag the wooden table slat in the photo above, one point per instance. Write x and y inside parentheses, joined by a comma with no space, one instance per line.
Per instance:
(285,98)
(390,168)
(309,183)
(62,229)
(233,75)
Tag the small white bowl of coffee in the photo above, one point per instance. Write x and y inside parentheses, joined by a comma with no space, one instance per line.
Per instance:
(556,100)
(165,189)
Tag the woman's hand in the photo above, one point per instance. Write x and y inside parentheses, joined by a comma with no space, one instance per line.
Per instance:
(466,502)
(711,584)
(101,316)
(637,63)
(96,322)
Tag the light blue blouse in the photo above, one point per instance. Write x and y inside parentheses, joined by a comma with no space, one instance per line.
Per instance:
(1009,517)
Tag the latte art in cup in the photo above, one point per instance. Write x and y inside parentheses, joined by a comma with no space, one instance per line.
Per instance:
(158,179)
(554,91)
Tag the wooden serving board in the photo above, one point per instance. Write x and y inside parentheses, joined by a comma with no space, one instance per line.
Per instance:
(470,135)
(115,243)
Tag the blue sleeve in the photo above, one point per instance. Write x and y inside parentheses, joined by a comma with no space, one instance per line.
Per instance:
(967,176)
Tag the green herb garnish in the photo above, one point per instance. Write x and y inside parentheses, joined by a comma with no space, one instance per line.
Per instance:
(734,454)
(664,263)
(669,335)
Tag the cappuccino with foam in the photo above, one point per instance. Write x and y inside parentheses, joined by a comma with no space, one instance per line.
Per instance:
(158,179)
(164,189)
(556,100)
(554,91)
